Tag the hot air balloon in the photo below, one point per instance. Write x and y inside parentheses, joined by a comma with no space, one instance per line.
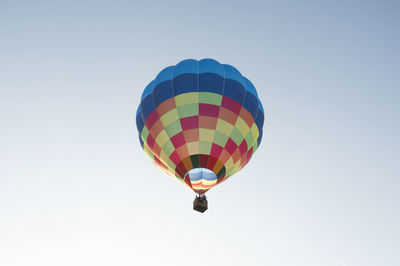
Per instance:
(200,122)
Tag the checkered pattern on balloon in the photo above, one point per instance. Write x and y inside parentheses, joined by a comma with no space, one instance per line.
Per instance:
(200,122)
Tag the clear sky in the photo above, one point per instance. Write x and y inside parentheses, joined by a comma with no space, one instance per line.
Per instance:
(76,188)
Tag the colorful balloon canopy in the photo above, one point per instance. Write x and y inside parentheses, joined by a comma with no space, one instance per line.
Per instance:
(200,121)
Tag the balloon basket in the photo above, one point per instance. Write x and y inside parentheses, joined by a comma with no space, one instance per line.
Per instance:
(200,203)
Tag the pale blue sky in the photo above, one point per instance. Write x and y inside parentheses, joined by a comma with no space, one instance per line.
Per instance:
(323,188)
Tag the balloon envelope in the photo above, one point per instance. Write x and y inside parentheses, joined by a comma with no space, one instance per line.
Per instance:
(200,121)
